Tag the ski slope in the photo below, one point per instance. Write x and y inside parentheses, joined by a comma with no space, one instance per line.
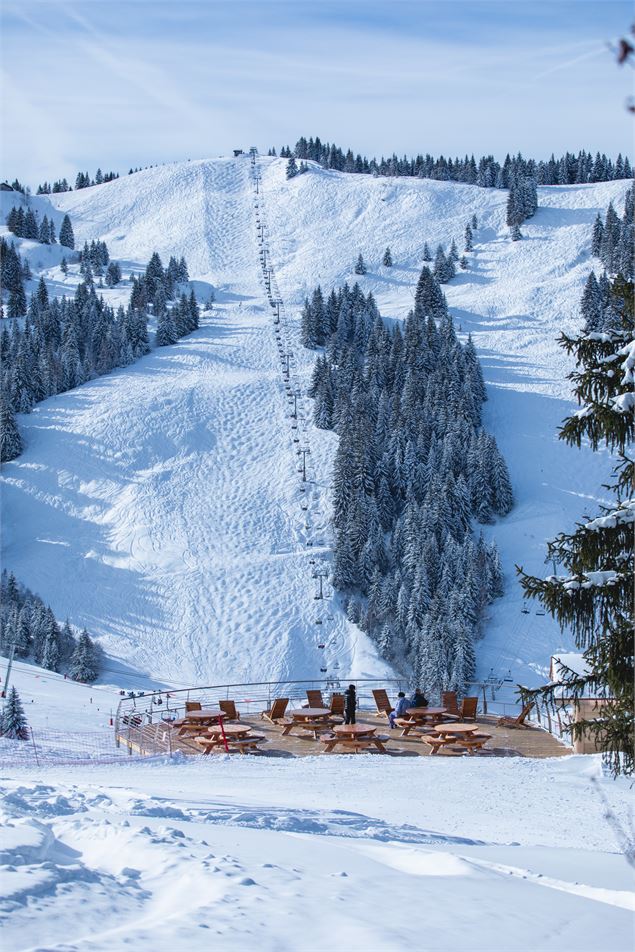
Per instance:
(161,506)
(515,299)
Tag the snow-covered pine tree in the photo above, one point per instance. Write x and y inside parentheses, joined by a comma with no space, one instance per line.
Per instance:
(591,306)
(13,723)
(31,227)
(84,664)
(469,238)
(440,270)
(593,597)
(166,330)
(360,267)
(44,233)
(10,439)
(51,650)
(597,235)
(292,167)
(427,256)
(22,637)
(464,263)
(113,274)
(67,642)
(387,259)
(66,236)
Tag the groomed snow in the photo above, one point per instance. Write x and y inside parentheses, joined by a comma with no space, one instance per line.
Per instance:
(160,506)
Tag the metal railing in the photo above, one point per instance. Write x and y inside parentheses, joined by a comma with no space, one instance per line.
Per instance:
(153,707)
(251,697)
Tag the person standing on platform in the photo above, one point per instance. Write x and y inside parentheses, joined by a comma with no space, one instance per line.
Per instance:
(350,705)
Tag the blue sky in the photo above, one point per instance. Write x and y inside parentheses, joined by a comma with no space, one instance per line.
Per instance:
(101,82)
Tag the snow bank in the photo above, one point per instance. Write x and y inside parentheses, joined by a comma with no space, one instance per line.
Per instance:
(313,852)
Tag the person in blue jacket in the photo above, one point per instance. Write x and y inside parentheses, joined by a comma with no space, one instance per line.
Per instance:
(401,707)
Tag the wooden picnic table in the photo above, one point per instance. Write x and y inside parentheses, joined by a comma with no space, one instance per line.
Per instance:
(229,737)
(354,737)
(311,718)
(417,716)
(456,735)
(231,730)
(353,730)
(455,728)
(200,717)
(195,722)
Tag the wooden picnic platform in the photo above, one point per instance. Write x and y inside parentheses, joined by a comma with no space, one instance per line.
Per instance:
(158,738)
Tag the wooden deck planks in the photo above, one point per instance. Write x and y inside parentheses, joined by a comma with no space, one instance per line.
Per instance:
(153,739)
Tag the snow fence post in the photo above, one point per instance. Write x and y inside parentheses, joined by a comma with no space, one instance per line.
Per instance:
(34,745)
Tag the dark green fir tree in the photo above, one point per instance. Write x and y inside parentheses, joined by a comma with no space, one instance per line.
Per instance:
(593,595)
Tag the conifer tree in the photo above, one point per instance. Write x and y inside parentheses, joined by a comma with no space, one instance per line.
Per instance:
(596,238)
(66,236)
(166,330)
(360,267)
(10,439)
(292,168)
(426,252)
(469,242)
(44,233)
(387,259)
(31,228)
(593,596)
(13,723)
(84,664)
(113,274)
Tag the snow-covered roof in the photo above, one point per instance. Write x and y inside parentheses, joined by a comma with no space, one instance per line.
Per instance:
(574,662)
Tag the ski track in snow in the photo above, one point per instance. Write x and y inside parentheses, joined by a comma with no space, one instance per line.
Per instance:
(167,496)
(160,506)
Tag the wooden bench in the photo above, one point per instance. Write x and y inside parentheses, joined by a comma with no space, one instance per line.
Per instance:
(185,728)
(331,741)
(456,745)
(210,744)
(406,725)
(476,742)
(436,742)
(315,729)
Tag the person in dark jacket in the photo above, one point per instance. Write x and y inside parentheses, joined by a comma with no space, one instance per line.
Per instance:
(418,699)
(350,704)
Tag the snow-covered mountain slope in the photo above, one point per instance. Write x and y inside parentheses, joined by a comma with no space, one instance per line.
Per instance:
(161,505)
(515,300)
